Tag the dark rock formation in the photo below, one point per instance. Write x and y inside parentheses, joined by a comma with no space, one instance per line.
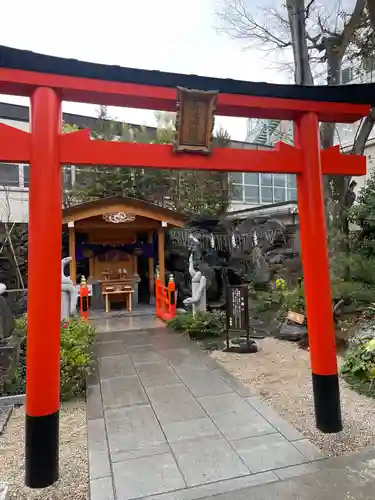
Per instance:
(291,331)
(242,345)
(255,250)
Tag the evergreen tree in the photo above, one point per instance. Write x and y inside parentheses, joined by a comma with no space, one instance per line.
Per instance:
(363,214)
(184,191)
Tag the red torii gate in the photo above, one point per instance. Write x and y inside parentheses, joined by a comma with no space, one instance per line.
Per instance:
(48,81)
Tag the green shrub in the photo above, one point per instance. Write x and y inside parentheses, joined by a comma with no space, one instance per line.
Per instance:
(75,358)
(269,301)
(180,322)
(20,325)
(352,292)
(203,325)
(358,368)
(354,266)
(294,299)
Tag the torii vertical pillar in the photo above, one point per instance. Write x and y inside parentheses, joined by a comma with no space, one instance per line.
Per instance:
(317,279)
(44,259)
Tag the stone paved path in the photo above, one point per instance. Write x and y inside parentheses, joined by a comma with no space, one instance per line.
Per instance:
(349,477)
(167,423)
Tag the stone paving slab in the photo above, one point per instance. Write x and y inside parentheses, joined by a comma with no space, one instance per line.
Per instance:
(126,324)
(110,348)
(208,459)
(230,485)
(287,430)
(206,383)
(139,339)
(242,424)
(144,354)
(98,451)
(270,452)
(348,483)
(131,429)
(115,366)
(166,422)
(147,475)
(101,489)
(174,403)
(191,429)
(158,373)
(94,403)
(122,391)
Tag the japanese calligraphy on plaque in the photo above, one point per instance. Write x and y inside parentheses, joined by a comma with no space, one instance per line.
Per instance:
(194,120)
(238,310)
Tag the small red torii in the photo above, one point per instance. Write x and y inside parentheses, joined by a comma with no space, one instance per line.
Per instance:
(47,81)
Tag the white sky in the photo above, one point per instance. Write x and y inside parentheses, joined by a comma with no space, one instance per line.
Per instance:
(171,35)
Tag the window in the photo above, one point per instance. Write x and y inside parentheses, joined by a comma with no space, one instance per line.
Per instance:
(292,194)
(266,194)
(237,192)
(251,179)
(26,175)
(266,179)
(251,194)
(258,189)
(279,180)
(236,177)
(9,175)
(279,194)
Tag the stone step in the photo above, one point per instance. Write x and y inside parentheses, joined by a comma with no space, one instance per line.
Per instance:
(350,477)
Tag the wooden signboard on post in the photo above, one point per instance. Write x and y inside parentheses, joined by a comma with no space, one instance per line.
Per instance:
(237,311)
(194,120)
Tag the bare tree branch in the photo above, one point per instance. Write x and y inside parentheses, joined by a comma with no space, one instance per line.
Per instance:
(350,27)
(308,8)
(320,36)
(236,20)
(363,134)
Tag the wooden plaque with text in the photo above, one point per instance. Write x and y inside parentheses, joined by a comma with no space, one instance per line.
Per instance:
(295,317)
(195,120)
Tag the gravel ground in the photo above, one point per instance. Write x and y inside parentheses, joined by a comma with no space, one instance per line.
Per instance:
(5,412)
(280,373)
(73,483)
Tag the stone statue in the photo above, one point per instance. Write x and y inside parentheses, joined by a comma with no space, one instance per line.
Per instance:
(69,293)
(6,317)
(198,289)
(9,343)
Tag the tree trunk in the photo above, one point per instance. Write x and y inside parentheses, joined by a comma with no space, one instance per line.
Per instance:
(296,14)
(371,11)
(364,133)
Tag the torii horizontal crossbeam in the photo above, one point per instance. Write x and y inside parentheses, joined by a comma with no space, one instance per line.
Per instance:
(78,149)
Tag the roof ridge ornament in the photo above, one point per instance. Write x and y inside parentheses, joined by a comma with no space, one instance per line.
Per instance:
(118,217)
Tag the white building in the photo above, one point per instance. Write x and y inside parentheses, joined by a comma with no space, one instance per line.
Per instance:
(14,178)
(267,132)
(271,193)
(347,133)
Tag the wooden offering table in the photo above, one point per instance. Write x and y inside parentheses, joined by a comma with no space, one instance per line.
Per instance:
(115,288)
